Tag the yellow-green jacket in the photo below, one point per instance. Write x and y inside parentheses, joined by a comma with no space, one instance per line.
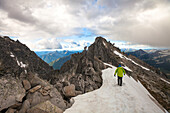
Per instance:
(120,71)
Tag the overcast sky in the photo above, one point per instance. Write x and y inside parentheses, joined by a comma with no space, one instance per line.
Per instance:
(60,24)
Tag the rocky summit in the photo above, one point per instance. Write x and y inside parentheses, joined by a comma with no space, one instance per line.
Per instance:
(17,59)
(28,84)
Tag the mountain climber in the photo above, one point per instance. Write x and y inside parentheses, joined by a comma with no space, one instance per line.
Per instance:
(119,71)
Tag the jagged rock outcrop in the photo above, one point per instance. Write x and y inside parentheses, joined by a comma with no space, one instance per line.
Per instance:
(45,107)
(13,96)
(23,80)
(17,59)
(83,70)
(11,92)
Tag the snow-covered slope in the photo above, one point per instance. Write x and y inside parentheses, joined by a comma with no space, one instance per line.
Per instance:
(132,97)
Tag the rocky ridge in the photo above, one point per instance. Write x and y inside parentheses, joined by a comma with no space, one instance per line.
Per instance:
(17,59)
(159,59)
(25,72)
(82,73)
(24,85)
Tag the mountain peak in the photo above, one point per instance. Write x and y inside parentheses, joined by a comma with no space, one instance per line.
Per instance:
(141,50)
(102,49)
(99,38)
(16,58)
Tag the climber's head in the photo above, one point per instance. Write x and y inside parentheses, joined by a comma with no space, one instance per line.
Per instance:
(119,65)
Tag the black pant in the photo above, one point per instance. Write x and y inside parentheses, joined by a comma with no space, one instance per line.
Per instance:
(119,81)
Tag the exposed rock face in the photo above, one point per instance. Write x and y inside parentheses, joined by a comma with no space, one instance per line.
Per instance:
(69,91)
(25,106)
(35,89)
(83,70)
(17,59)
(45,107)
(26,84)
(10,110)
(11,92)
(13,95)
(43,92)
(23,80)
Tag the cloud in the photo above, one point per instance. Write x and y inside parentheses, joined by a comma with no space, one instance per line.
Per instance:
(49,44)
(138,24)
(75,43)
(17,12)
(69,44)
(68,40)
(144,22)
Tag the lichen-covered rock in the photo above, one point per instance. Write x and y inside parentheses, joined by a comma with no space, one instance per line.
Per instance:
(36,98)
(34,89)
(35,80)
(25,106)
(26,84)
(45,90)
(10,110)
(69,91)
(45,107)
(57,99)
(11,92)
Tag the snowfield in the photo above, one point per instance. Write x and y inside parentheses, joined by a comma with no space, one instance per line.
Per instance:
(122,56)
(132,97)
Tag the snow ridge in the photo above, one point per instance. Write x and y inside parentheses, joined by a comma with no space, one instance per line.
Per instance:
(132,97)
(122,56)
(165,81)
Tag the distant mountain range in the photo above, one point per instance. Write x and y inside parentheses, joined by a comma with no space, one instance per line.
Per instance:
(128,49)
(56,64)
(52,56)
(40,53)
(159,59)
(151,50)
